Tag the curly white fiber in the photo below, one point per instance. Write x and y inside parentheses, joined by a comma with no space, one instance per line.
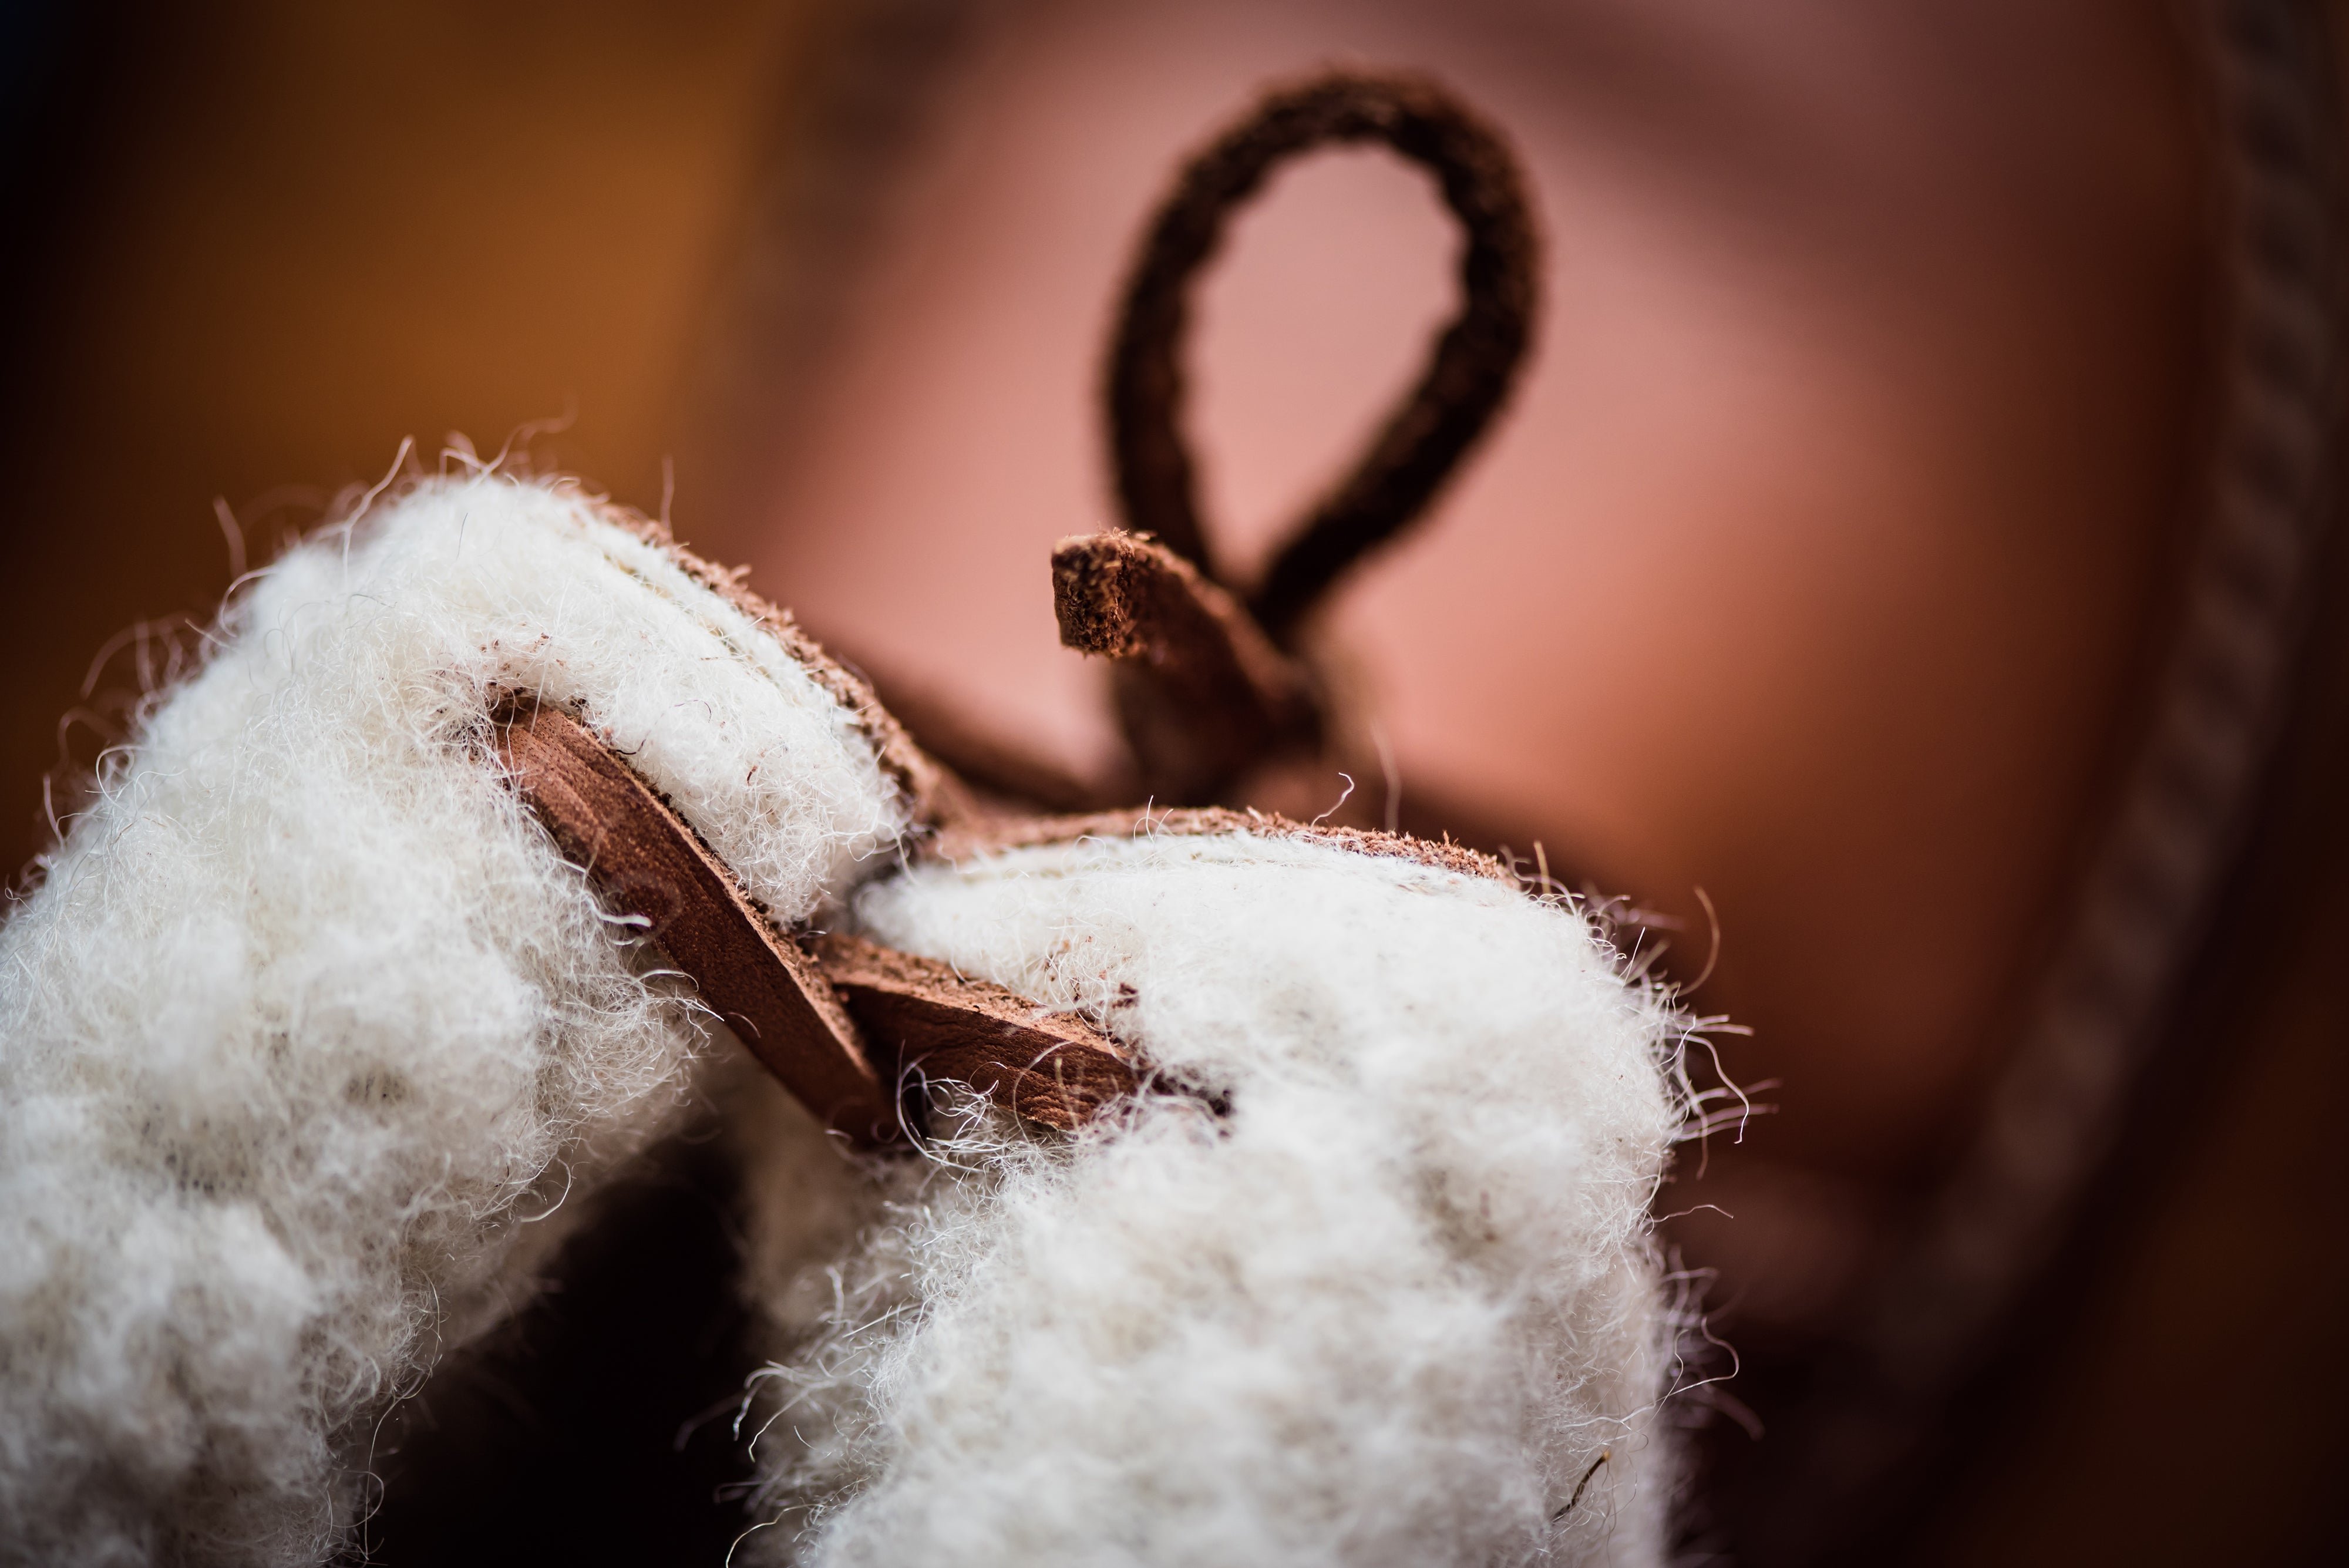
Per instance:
(308,1019)
(1392,1308)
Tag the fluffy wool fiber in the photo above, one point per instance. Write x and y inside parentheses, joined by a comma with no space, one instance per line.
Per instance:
(306,1023)
(1389,1300)
(307,1035)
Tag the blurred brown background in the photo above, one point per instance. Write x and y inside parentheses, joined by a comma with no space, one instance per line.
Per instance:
(251,246)
(1818,564)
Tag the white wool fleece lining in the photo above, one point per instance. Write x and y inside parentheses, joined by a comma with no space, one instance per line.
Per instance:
(308,1019)
(1391,1309)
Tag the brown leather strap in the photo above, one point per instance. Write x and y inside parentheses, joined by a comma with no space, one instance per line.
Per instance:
(647,862)
(796,1016)
(1202,693)
(1046,1067)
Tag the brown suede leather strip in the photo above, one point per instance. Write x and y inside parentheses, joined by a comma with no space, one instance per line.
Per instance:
(800,1013)
(1046,1067)
(1202,693)
(647,862)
